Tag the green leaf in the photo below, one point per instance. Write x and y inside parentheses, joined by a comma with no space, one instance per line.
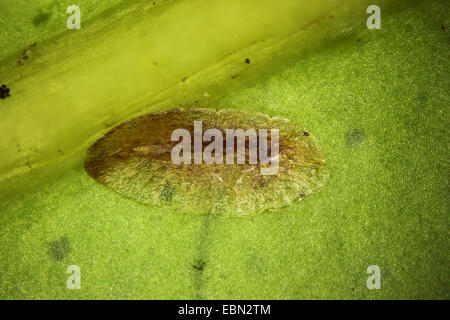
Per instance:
(376,100)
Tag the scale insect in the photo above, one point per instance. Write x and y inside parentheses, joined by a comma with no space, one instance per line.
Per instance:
(134,159)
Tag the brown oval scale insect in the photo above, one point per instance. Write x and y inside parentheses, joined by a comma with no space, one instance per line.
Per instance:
(134,159)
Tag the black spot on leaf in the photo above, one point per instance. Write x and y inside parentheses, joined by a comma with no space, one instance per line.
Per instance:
(4,92)
(199,265)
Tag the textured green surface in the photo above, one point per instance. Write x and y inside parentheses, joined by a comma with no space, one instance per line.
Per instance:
(379,108)
(23,22)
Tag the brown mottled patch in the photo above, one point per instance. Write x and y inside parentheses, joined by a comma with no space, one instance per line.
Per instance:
(26,54)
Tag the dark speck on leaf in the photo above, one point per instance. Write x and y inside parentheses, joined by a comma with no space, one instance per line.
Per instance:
(305,133)
(25,54)
(359,40)
(4,92)
(247,61)
(59,249)
(301,194)
(199,266)
(234,76)
(443,26)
